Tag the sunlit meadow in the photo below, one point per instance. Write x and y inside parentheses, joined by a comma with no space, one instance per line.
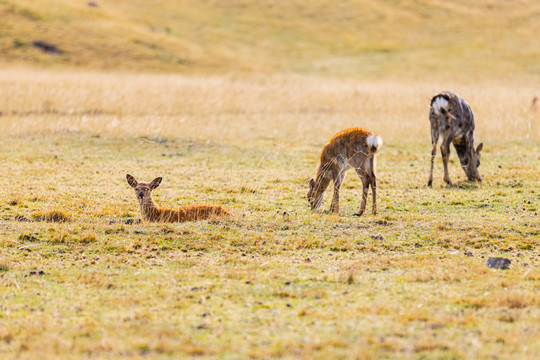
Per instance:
(80,277)
(230,102)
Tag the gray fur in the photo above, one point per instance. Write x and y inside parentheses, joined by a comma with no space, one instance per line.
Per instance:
(455,122)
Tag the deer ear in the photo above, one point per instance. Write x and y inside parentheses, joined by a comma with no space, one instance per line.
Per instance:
(311,184)
(479,148)
(131,180)
(155,183)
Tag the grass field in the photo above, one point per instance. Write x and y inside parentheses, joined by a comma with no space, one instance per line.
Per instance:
(275,280)
(230,102)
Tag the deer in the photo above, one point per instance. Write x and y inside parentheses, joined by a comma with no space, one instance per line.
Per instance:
(152,212)
(349,149)
(451,116)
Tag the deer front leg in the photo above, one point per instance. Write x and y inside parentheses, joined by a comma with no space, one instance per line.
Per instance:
(445,151)
(338,180)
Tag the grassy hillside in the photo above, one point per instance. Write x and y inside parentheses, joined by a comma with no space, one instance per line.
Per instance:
(352,37)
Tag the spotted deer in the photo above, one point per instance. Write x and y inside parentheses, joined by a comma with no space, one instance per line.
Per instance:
(452,117)
(152,212)
(352,148)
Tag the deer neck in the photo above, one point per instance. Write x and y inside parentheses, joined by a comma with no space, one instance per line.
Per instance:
(148,208)
(320,176)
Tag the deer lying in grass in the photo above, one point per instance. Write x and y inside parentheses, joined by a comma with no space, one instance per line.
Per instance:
(151,211)
(351,148)
(452,117)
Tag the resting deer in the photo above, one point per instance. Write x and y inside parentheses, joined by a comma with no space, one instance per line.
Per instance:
(151,211)
(452,117)
(351,148)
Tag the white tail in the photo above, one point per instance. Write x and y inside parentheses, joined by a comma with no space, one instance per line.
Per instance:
(439,104)
(374,143)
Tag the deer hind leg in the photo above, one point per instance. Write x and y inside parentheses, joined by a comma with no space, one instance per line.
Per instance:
(338,180)
(372,181)
(365,188)
(445,151)
(434,139)
(374,193)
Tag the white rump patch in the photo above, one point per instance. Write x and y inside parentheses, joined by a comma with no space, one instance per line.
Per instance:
(439,103)
(374,142)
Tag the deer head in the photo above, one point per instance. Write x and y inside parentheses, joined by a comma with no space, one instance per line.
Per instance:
(314,195)
(471,169)
(143,190)
(470,161)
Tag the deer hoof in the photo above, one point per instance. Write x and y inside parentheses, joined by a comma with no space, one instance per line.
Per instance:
(357,214)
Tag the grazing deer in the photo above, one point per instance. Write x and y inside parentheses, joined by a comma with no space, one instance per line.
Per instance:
(351,148)
(452,117)
(151,211)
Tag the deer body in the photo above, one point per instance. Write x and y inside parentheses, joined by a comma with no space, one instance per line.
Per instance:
(452,117)
(349,149)
(151,211)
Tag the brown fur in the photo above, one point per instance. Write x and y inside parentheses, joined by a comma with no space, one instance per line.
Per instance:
(347,149)
(151,211)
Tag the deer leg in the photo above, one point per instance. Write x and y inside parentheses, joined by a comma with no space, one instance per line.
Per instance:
(433,154)
(445,151)
(434,139)
(365,189)
(338,180)
(374,193)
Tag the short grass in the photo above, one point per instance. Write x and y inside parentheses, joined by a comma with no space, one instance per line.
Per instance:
(79,279)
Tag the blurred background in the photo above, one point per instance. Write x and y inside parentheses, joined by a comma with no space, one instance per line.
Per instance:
(419,39)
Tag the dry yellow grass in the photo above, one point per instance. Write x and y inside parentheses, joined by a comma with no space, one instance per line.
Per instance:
(258,88)
(247,94)
(262,284)
(252,109)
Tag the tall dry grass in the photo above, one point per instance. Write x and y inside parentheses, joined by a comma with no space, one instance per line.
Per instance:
(288,108)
